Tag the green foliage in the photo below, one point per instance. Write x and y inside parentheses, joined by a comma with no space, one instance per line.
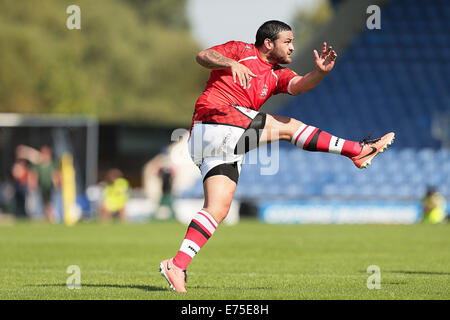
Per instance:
(169,13)
(131,61)
(307,22)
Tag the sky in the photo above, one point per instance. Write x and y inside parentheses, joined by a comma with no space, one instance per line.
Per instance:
(218,21)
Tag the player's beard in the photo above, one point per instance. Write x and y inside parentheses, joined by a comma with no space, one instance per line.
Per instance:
(279,57)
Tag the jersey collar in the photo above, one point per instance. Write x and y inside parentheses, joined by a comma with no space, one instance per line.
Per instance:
(260,59)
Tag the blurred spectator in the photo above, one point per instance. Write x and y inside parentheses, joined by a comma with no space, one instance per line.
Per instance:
(20,175)
(165,209)
(6,197)
(115,196)
(434,206)
(57,198)
(45,168)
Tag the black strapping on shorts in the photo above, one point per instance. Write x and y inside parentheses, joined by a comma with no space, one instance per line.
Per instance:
(247,140)
(225,169)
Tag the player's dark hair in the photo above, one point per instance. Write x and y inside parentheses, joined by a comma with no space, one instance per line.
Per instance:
(270,30)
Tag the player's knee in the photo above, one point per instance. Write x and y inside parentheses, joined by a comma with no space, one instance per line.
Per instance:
(218,211)
(292,127)
(284,126)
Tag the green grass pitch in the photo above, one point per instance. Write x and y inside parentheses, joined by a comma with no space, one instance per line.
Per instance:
(251,261)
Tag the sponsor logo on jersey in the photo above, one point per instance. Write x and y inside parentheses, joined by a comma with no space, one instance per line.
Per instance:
(264,91)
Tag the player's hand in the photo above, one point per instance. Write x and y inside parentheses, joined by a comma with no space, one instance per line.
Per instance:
(325,62)
(242,74)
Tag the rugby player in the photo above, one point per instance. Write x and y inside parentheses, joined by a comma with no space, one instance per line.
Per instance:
(243,77)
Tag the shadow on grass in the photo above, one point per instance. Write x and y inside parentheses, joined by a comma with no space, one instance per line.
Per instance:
(397,283)
(118,286)
(230,288)
(438,273)
(421,272)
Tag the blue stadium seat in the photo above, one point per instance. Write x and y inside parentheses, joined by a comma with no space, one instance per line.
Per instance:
(379,67)
(398,175)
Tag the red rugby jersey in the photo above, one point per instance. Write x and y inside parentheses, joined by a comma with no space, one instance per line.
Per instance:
(221,93)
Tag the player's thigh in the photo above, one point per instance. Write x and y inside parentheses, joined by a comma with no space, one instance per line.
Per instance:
(279,128)
(219,191)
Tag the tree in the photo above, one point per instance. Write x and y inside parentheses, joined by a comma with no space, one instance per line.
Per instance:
(131,61)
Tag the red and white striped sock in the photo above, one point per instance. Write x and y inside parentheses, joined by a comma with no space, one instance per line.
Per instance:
(200,229)
(313,139)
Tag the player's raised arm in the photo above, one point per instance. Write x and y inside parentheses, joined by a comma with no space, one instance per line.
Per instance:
(212,59)
(324,64)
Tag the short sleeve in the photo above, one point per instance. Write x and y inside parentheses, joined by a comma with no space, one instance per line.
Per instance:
(231,49)
(285,75)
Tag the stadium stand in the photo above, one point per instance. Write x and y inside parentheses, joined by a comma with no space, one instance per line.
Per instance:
(397,175)
(393,79)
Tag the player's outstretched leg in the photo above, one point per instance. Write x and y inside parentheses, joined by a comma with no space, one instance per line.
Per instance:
(310,138)
(219,191)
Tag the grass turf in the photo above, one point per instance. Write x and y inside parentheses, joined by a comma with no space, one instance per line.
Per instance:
(251,261)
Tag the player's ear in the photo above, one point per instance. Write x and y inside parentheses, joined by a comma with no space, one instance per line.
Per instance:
(268,44)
